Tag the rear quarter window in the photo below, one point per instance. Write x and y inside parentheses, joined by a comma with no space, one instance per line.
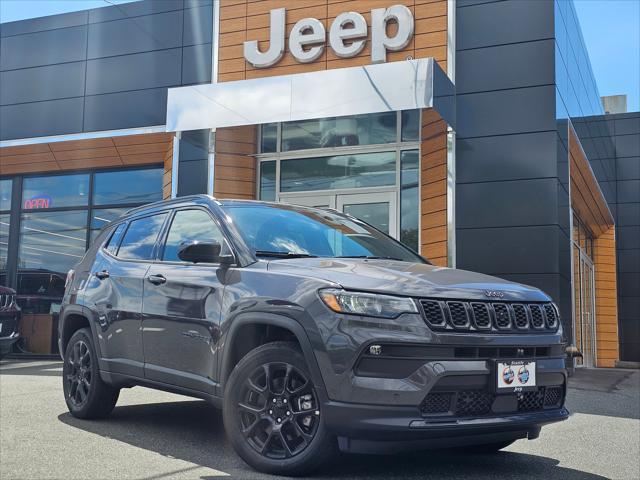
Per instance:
(114,241)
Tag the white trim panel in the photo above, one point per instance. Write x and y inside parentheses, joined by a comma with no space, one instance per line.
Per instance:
(84,136)
(386,87)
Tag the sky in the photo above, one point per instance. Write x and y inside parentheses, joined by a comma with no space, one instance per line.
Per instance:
(611,30)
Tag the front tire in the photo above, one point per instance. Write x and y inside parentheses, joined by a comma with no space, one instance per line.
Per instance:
(272,413)
(86,395)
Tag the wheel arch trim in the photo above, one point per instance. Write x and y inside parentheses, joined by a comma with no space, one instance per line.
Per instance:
(276,320)
(80,310)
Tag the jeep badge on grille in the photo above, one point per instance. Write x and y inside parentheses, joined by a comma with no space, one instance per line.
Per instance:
(494,293)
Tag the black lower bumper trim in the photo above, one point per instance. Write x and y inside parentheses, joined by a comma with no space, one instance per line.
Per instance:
(405,425)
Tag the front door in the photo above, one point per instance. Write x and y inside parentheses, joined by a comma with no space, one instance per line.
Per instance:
(181,308)
(376,208)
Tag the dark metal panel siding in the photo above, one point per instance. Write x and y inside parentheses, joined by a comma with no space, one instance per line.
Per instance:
(506,66)
(512,210)
(498,23)
(625,135)
(506,112)
(42,83)
(40,24)
(196,64)
(628,214)
(506,157)
(133,9)
(520,250)
(133,35)
(193,165)
(53,117)
(628,145)
(43,48)
(628,168)
(198,25)
(134,72)
(125,110)
(131,53)
(628,191)
(503,204)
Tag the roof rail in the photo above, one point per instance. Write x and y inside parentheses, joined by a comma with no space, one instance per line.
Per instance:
(171,201)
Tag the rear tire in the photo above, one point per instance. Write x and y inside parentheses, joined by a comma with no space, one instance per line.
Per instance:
(86,395)
(272,413)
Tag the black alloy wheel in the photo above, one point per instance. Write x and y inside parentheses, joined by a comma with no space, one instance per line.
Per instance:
(278,411)
(78,376)
(86,394)
(273,412)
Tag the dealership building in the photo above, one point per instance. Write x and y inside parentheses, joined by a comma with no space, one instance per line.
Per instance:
(470,130)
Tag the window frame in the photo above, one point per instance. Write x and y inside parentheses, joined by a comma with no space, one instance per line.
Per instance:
(114,227)
(165,235)
(399,147)
(154,251)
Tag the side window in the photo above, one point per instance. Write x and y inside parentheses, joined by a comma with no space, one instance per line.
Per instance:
(114,241)
(140,238)
(187,226)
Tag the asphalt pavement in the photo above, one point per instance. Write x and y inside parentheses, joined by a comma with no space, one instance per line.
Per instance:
(154,435)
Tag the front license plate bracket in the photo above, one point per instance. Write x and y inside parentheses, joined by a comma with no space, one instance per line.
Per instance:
(512,376)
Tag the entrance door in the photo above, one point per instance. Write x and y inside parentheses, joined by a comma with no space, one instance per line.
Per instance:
(322,201)
(585,325)
(378,209)
(588,312)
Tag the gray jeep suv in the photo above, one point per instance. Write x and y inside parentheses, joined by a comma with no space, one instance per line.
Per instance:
(312,331)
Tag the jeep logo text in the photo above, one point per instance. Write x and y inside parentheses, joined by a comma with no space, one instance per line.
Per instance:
(347,36)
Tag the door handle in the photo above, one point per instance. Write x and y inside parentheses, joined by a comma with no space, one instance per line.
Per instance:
(102,275)
(157,279)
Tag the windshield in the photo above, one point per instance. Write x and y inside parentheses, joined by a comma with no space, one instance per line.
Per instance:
(287,231)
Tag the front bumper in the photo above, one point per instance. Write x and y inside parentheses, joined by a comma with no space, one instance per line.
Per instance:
(7,342)
(376,429)
(401,413)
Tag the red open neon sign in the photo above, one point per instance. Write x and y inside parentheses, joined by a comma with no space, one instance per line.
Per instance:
(43,201)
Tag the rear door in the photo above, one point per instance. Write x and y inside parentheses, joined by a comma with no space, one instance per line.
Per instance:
(114,291)
(181,307)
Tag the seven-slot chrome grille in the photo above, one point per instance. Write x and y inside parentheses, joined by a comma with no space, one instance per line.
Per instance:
(6,300)
(507,317)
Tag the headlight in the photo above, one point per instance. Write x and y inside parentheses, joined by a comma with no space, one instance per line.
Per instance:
(368,304)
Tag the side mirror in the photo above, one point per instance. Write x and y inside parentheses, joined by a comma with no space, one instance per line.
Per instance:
(202,252)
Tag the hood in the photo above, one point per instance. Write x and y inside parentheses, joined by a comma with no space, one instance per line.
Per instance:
(409,279)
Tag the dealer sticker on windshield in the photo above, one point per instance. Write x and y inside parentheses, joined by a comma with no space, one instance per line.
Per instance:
(516,375)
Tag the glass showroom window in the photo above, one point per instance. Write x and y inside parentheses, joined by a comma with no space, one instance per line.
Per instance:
(345,156)
(5,211)
(59,216)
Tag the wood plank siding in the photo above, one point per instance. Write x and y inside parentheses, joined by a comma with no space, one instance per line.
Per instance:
(607,345)
(168,171)
(85,154)
(433,186)
(249,20)
(588,202)
(235,163)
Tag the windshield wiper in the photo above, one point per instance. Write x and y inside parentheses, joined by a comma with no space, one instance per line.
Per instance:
(371,257)
(267,253)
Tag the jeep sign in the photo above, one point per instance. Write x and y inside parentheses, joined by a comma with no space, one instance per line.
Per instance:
(347,36)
